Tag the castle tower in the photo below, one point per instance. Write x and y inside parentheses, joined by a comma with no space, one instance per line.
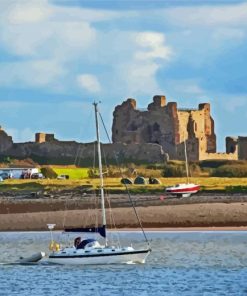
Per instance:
(164,124)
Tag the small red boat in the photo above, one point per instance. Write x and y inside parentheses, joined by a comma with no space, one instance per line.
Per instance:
(184,190)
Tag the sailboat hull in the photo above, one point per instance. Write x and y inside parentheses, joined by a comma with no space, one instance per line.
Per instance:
(183,189)
(105,257)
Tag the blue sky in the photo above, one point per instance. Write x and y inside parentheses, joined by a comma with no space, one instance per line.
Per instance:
(57,57)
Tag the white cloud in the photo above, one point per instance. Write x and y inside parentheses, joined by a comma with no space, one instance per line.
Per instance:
(207,15)
(48,39)
(153,46)
(52,40)
(67,13)
(235,102)
(223,35)
(186,86)
(89,82)
(139,78)
(28,11)
(36,73)
(150,53)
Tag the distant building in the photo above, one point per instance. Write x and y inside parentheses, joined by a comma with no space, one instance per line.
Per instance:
(16,173)
(237,145)
(169,126)
(150,135)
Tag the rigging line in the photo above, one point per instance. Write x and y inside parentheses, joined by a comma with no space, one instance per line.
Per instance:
(80,149)
(106,165)
(65,211)
(96,202)
(94,156)
(79,154)
(113,223)
(77,161)
(126,187)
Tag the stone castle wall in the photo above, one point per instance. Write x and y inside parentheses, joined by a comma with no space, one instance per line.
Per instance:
(164,124)
(71,152)
(242,147)
(219,156)
(6,141)
(43,137)
(237,146)
(140,136)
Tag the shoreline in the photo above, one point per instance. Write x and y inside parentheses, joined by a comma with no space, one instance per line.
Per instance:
(180,217)
(161,229)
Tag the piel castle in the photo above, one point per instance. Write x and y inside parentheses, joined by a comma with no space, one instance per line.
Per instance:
(153,135)
(169,126)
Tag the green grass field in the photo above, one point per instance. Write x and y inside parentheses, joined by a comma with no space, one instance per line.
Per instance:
(114,185)
(74,173)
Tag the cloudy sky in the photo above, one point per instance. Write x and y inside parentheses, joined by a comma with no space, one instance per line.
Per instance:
(57,57)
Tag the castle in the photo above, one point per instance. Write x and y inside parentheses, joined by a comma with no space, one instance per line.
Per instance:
(153,135)
(169,126)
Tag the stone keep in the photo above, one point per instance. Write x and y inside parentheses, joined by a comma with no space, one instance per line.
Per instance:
(164,124)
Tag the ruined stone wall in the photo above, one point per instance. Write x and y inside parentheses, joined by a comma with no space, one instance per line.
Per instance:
(84,154)
(242,148)
(166,125)
(6,141)
(43,137)
(196,127)
(158,124)
(208,128)
(219,156)
(47,149)
(148,136)
(237,146)
(231,145)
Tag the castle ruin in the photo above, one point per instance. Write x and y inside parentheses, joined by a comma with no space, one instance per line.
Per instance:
(6,141)
(169,126)
(152,135)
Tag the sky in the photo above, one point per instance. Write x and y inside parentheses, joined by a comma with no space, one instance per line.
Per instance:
(57,57)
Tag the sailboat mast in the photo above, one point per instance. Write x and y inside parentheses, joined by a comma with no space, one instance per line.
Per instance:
(186,161)
(100,166)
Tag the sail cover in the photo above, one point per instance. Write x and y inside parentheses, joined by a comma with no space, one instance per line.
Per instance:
(101,230)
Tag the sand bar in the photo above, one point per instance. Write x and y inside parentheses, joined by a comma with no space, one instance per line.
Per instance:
(230,216)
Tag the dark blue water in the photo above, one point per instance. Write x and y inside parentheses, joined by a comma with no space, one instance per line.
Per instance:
(181,263)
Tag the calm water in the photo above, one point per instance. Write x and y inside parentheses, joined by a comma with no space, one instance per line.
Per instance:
(182,263)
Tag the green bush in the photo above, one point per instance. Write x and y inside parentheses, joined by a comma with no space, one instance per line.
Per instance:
(195,170)
(178,169)
(171,170)
(211,163)
(93,173)
(237,171)
(48,173)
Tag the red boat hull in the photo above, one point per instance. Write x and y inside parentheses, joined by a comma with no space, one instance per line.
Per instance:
(186,190)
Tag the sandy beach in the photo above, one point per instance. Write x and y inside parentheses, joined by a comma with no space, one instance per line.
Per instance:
(27,215)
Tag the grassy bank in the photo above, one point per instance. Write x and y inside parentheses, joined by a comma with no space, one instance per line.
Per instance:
(73,173)
(114,185)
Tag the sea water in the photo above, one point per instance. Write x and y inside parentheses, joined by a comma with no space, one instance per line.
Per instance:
(181,263)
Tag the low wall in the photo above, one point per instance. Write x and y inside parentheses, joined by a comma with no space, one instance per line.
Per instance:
(219,156)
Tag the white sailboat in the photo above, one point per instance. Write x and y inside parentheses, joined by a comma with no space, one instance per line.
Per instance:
(90,251)
(184,189)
